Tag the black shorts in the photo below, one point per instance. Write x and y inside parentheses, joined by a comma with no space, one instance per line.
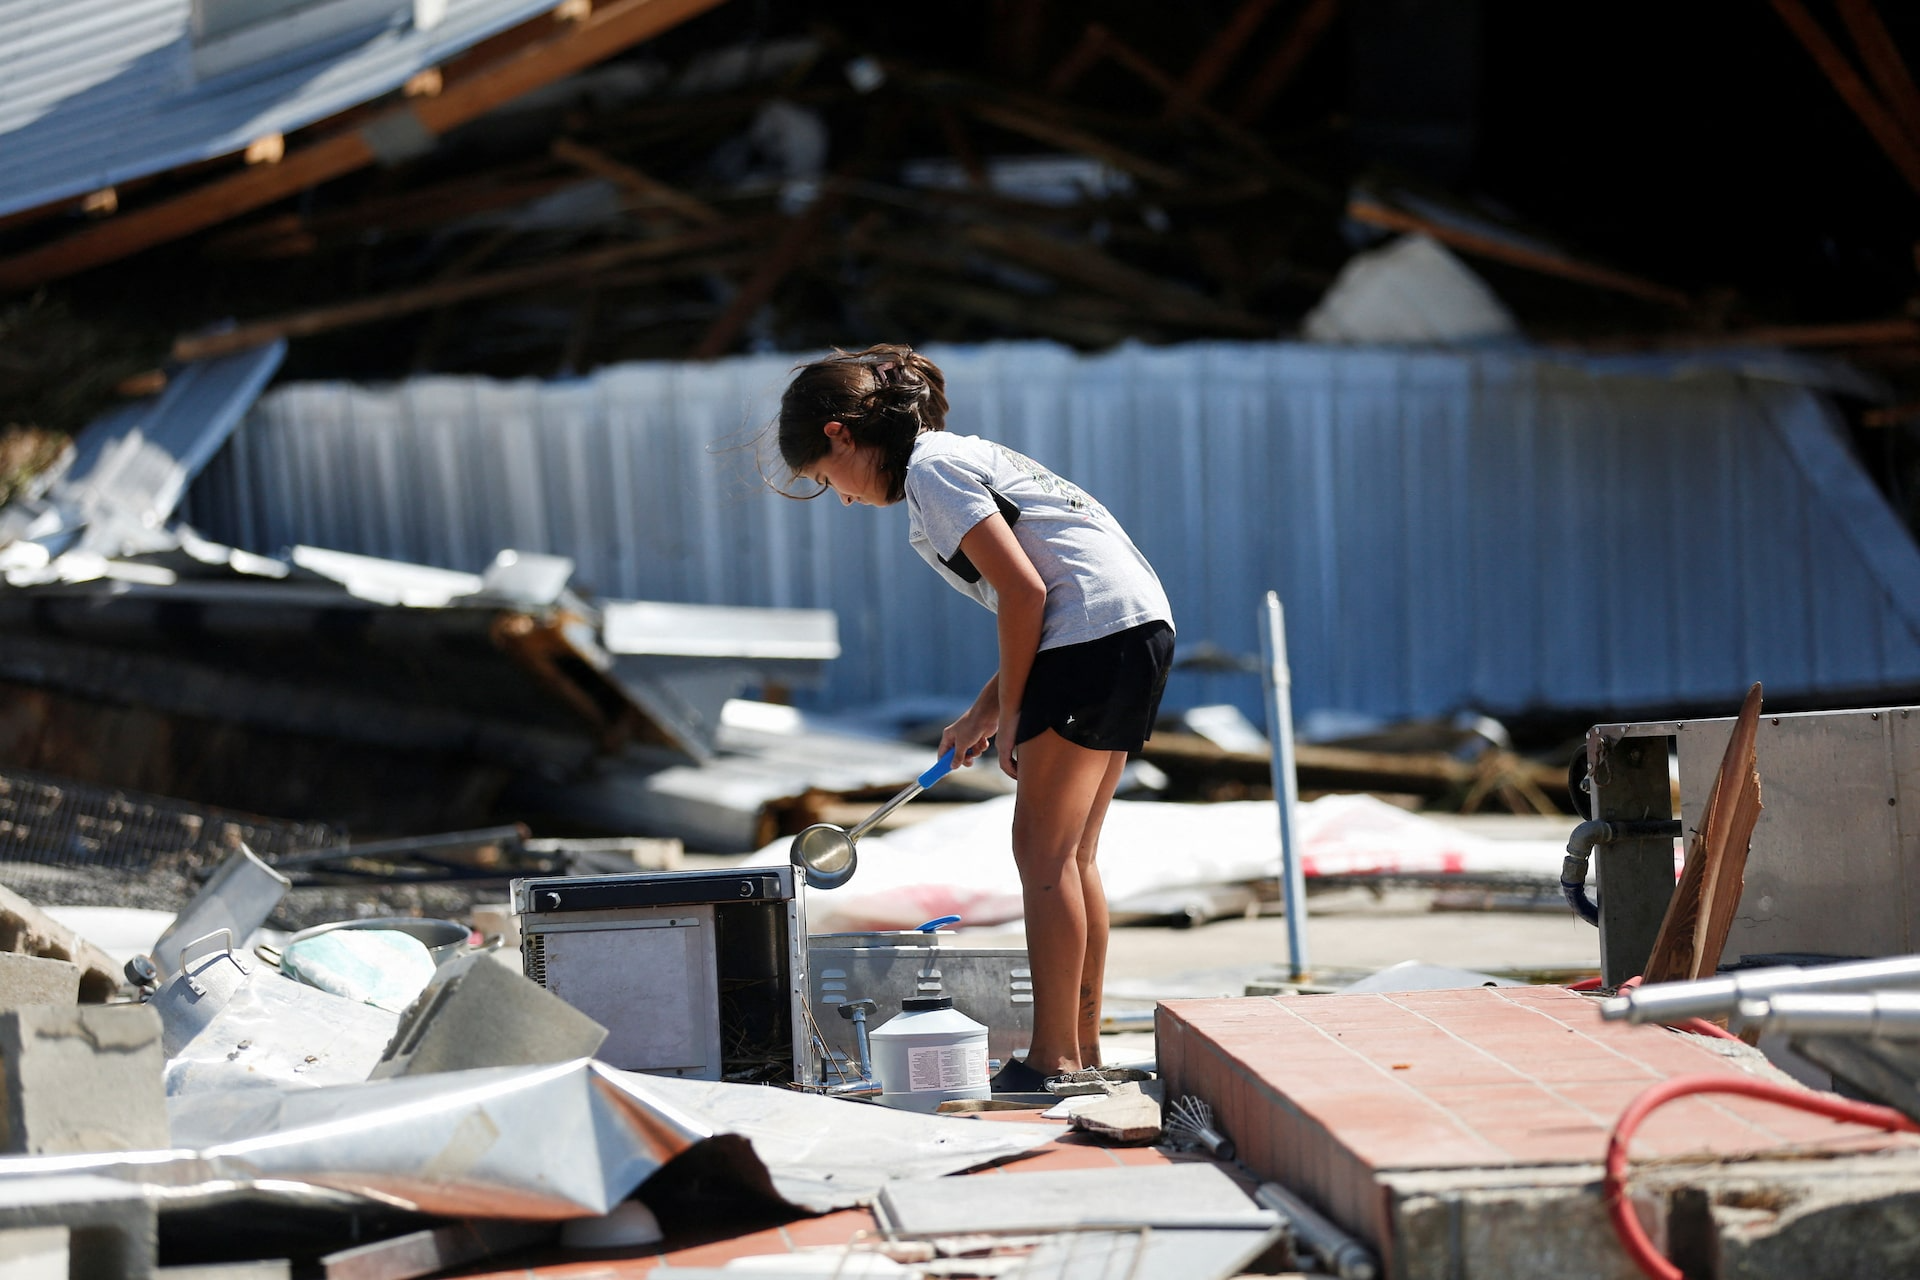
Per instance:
(1102,695)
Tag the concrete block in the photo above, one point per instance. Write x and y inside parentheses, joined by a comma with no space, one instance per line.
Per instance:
(35,1253)
(112,1228)
(477,1013)
(1786,1220)
(81,1078)
(1502,1224)
(26,980)
(27,930)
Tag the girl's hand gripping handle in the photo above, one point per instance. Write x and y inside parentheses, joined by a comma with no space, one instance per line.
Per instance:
(940,769)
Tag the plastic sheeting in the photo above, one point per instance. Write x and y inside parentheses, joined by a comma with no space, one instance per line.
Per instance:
(961,863)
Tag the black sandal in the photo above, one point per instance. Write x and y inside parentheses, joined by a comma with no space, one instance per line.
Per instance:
(1017,1077)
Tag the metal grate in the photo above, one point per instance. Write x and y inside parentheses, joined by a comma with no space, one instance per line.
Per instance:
(59,825)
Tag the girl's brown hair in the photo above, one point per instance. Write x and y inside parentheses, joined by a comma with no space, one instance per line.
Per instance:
(886,396)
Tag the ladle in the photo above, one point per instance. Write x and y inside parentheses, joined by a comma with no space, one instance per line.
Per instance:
(825,852)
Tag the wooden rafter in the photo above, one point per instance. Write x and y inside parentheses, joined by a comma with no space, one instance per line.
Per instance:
(1886,130)
(1213,61)
(441,293)
(1379,215)
(620,25)
(1884,63)
(642,186)
(1286,58)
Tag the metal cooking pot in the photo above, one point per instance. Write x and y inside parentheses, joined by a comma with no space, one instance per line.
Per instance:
(443,939)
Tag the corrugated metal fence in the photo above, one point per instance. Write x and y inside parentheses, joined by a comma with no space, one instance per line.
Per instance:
(1502,531)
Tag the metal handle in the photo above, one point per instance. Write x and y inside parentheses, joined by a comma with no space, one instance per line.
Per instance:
(941,768)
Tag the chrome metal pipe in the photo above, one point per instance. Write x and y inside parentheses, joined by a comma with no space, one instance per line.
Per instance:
(1890,1015)
(1710,997)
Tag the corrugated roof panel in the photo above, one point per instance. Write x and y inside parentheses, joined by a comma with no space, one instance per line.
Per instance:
(1496,530)
(135,462)
(94,92)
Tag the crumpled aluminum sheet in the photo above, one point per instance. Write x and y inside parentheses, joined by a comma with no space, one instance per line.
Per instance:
(563,1141)
(830,1153)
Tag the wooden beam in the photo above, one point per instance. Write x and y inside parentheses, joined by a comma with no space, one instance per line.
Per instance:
(1057,133)
(443,293)
(1884,63)
(647,188)
(1379,215)
(774,267)
(1208,69)
(1865,333)
(1145,292)
(1904,152)
(1279,67)
(1892,415)
(954,130)
(421,208)
(620,25)
(1082,58)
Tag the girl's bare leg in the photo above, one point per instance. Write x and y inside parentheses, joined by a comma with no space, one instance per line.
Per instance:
(1061,785)
(1093,970)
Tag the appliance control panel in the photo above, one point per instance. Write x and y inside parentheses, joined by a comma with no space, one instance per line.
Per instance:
(549,894)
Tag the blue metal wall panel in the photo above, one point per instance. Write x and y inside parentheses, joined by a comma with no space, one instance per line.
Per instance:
(1502,531)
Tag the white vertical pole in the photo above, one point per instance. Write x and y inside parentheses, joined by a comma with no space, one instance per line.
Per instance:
(1286,791)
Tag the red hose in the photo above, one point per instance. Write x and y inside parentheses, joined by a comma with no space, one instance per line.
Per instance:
(1586,984)
(1614,1187)
(1701,1027)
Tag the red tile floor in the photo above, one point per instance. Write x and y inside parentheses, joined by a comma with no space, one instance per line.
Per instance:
(1324,1092)
(714,1248)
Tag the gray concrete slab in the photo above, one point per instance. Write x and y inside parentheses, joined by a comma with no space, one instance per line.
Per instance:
(82,1078)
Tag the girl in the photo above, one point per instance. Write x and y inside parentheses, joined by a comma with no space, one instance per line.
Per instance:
(1085,636)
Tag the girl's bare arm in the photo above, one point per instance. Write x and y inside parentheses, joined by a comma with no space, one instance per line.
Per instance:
(1023,603)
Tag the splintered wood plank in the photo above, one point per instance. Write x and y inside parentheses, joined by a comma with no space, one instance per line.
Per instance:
(1694,931)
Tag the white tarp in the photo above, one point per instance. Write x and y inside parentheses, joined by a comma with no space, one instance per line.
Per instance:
(961,863)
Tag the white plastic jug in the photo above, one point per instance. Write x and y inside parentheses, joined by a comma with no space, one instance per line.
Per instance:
(929,1054)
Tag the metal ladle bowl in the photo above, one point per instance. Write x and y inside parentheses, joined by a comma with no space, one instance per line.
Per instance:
(826,853)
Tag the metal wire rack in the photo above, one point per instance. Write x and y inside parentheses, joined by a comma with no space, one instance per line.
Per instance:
(59,831)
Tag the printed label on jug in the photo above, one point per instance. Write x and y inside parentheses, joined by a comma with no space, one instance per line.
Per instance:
(953,1066)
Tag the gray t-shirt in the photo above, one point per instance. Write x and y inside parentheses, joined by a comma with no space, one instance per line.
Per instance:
(1097,580)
